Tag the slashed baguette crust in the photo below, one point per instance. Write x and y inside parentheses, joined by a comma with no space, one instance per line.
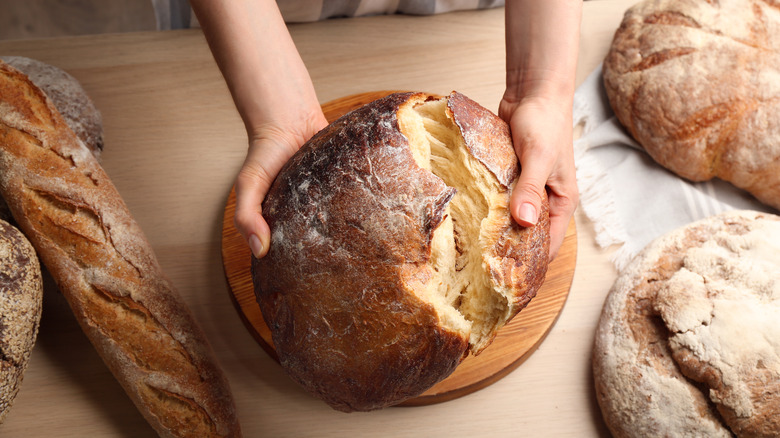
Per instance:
(71,100)
(68,96)
(68,208)
(695,82)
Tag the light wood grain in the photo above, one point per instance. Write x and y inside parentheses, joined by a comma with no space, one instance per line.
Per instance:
(174,144)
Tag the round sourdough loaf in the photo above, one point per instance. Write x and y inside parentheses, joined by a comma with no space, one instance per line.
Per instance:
(393,252)
(21,294)
(695,82)
(688,344)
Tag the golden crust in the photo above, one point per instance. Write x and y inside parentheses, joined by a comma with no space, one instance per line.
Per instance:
(694,83)
(68,96)
(85,236)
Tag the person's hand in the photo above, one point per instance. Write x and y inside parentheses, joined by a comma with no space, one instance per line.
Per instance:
(273,94)
(269,149)
(542,136)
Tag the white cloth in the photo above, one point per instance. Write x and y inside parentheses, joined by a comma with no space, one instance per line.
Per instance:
(628,196)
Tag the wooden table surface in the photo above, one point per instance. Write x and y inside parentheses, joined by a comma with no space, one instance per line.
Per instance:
(174,143)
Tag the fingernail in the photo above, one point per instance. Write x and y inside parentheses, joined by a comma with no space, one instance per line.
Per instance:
(255,245)
(528,213)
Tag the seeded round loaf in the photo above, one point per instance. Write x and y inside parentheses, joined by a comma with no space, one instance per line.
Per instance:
(695,82)
(393,253)
(688,344)
(21,294)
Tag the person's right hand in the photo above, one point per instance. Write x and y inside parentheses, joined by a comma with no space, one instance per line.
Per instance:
(273,94)
(269,149)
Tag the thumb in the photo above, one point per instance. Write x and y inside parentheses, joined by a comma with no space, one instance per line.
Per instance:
(525,202)
(248,219)
(261,166)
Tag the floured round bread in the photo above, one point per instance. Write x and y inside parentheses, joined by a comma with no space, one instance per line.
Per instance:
(696,82)
(688,344)
(21,294)
(393,253)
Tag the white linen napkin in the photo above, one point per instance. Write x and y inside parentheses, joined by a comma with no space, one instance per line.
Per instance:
(628,196)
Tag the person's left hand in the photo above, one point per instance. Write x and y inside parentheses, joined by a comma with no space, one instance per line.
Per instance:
(542,135)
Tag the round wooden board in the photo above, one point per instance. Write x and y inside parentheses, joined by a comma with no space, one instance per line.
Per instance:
(514,343)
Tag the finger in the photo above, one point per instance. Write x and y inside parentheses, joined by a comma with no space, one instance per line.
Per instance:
(562,206)
(250,192)
(558,227)
(529,190)
(252,184)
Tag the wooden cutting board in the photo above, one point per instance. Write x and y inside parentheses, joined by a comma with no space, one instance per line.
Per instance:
(514,343)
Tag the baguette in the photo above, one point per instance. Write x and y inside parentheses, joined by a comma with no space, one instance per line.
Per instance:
(85,236)
(68,96)
(70,99)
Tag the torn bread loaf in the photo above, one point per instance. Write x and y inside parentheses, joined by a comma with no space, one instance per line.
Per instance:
(695,82)
(688,344)
(21,295)
(393,253)
(68,208)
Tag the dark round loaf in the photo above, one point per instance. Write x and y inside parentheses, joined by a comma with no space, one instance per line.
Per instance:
(393,253)
(21,294)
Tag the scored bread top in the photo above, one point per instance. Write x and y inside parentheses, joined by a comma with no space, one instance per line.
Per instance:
(69,209)
(695,83)
(687,344)
(359,287)
(68,96)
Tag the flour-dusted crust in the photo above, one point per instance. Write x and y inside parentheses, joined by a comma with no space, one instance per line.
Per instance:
(68,96)
(696,83)
(360,239)
(21,293)
(70,99)
(68,208)
(688,344)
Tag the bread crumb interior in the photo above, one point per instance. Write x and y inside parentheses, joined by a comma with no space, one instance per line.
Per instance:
(462,290)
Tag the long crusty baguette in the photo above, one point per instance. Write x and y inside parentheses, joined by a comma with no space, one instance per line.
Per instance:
(84,234)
